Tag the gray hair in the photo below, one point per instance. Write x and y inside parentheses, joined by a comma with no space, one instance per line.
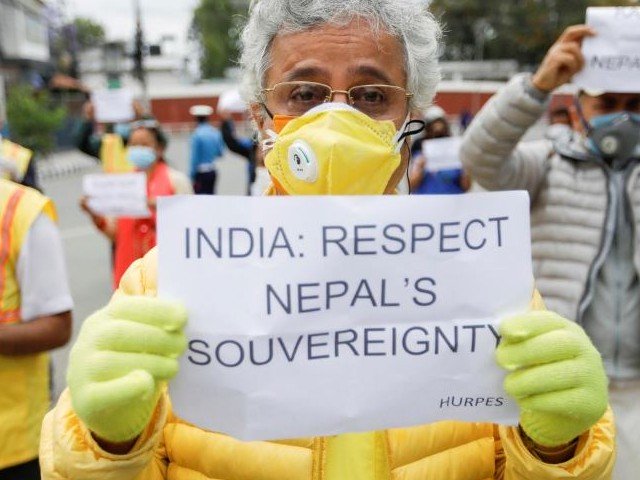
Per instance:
(408,20)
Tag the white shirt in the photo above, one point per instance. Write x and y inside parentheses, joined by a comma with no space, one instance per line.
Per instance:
(41,272)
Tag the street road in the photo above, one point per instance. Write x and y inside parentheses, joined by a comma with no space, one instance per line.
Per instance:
(88,252)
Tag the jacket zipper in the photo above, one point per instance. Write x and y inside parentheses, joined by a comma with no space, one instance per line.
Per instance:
(605,247)
(627,175)
(618,283)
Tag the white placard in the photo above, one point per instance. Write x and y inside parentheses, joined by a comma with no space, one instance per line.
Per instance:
(117,195)
(231,101)
(442,153)
(612,57)
(113,106)
(324,315)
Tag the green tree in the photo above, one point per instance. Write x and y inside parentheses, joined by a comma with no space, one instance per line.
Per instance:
(33,119)
(215,27)
(498,29)
(89,33)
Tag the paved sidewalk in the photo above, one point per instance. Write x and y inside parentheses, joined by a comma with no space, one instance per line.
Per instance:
(62,164)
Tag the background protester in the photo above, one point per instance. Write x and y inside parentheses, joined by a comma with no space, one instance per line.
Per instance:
(339,77)
(134,237)
(423,181)
(560,125)
(466,117)
(560,116)
(108,146)
(206,147)
(35,317)
(245,147)
(30,178)
(585,205)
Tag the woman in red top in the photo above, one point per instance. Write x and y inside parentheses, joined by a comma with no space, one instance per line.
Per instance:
(134,237)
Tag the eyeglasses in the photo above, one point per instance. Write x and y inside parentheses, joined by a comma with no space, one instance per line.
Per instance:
(381,102)
(148,123)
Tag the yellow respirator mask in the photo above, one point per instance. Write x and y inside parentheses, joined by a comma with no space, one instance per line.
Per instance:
(333,150)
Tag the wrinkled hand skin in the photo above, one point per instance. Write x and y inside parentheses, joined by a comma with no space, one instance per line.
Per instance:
(117,367)
(557,376)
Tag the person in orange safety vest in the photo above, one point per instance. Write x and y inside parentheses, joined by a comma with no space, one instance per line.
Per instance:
(35,317)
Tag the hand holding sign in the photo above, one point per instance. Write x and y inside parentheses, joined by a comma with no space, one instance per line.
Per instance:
(612,56)
(554,365)
(117,367)
(563,60)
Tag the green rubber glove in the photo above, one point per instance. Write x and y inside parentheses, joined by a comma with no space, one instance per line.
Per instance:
(123,354)
(557,376)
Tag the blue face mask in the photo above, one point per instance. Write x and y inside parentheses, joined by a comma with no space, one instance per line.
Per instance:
(611,118)
(142,157)
(615,135)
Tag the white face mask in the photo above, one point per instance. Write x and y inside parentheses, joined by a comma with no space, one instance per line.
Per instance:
(559,132)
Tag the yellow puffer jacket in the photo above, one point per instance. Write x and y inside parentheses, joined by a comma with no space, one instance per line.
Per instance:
(172,449)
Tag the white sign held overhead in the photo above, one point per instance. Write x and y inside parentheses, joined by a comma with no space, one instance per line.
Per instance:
(117,195)
(612,57)
(371,313)
(442,153)
(113,106)
(231,101)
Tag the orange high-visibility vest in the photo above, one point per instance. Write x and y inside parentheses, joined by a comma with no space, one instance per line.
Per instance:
(24,380)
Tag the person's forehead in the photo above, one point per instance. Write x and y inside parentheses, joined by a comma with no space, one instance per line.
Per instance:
(327,50)
(141,135)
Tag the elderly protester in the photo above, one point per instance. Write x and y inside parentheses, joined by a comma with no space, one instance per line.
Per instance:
(585,191)
(332,84)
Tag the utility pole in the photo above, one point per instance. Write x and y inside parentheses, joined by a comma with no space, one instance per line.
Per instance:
(139,54)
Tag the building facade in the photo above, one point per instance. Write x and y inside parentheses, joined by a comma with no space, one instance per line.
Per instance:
(24,42)
(164,65)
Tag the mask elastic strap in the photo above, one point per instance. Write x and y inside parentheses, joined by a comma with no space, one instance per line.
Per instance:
(266,109)
(583,121)
(404,187)
(268,143)
(397,139)
(408,131)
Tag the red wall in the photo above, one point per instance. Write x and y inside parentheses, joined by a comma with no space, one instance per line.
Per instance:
(455,103)
(176,111)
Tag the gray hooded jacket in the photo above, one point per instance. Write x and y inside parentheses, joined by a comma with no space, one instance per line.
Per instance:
(585,217)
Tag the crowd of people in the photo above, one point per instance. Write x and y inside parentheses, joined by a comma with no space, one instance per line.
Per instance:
(349,80)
